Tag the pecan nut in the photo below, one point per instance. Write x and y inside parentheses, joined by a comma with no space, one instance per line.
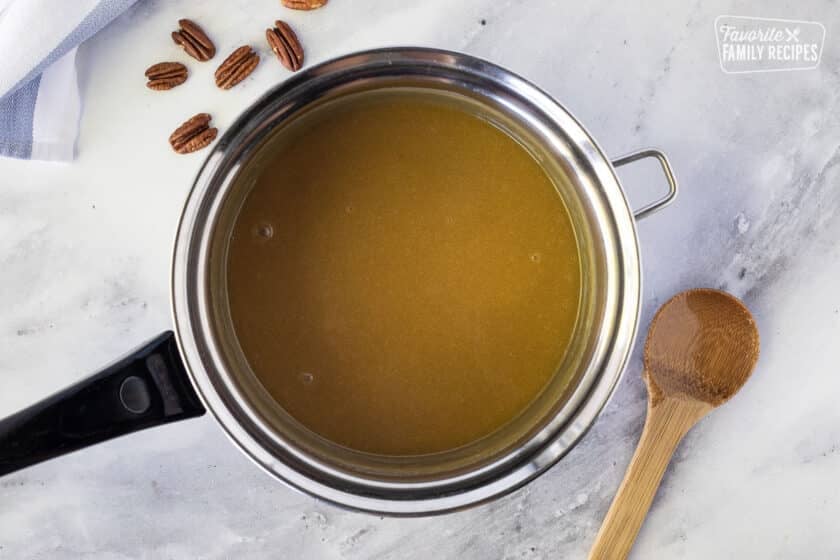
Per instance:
(194,40)
(166,75)
(237,67)
(304,4)
(285,45)
(193,135)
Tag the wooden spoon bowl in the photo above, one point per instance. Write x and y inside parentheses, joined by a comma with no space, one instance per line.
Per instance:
(702,347)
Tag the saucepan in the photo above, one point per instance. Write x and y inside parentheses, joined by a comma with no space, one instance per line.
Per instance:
(198,367)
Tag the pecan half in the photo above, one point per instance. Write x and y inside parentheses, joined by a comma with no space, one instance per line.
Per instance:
(285,45)
(194,40)
(166,75)
(193,135)
(304,4)
(237,67)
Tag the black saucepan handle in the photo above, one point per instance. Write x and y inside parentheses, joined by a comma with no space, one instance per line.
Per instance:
(147,388)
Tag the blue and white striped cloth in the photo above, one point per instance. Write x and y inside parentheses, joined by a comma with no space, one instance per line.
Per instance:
(39,95)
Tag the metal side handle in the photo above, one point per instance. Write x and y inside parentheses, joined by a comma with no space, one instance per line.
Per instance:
(660,203)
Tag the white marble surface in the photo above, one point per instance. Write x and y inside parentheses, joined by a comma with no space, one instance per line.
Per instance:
(84,251)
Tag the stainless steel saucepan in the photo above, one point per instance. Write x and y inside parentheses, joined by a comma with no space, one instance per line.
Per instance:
(201,366)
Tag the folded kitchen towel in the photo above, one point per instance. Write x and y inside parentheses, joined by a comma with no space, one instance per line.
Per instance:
(39,95)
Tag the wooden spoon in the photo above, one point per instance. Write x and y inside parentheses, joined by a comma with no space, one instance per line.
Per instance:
(701,348)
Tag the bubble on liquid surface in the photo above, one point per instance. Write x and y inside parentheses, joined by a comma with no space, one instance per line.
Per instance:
(349,209)
(264,230)
(536,257)
(306,378)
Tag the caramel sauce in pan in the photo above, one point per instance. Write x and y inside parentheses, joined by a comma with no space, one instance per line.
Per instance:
(403,277)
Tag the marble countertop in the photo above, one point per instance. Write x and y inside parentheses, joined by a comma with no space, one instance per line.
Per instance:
(84,254)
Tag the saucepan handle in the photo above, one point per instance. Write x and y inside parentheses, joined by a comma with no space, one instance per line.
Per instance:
(146,388)
(664,201)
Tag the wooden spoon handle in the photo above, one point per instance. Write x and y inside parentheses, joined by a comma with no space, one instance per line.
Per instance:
(667,422)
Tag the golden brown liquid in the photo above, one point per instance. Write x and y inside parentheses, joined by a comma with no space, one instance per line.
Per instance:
(403,277)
